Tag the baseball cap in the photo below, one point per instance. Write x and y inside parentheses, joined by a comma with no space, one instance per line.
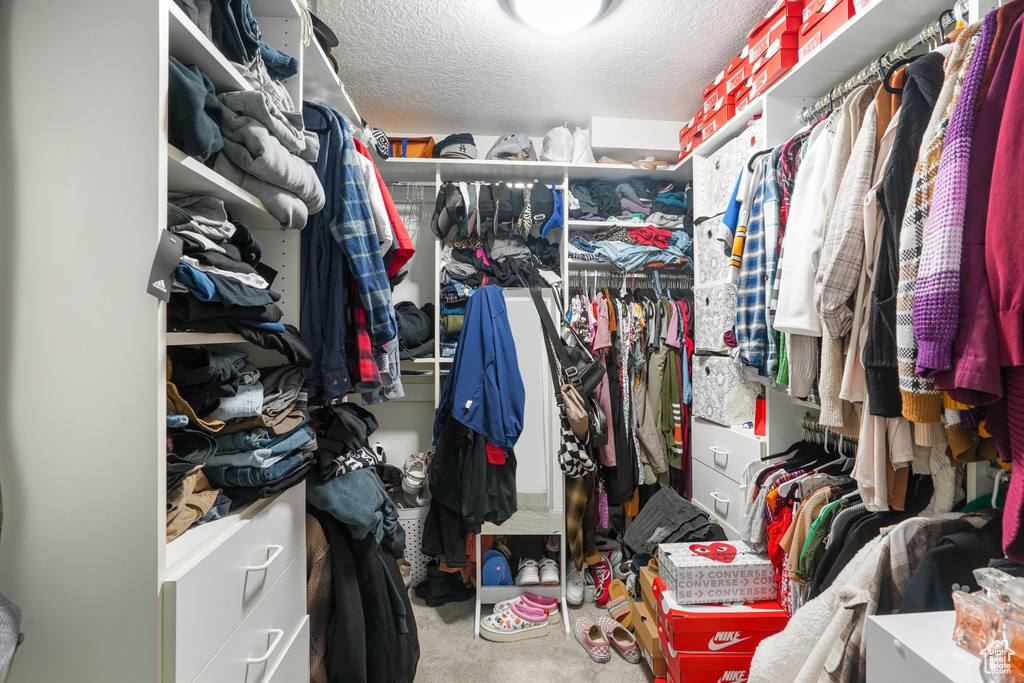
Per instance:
(457,146)
(449,210)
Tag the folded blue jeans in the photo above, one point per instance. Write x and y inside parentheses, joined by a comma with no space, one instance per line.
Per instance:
(301,438)
(256,476)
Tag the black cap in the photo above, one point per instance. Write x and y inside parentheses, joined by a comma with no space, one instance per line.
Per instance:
(449,210)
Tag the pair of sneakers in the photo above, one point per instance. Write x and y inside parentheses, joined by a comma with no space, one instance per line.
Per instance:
(527,616)
(533,574)
(591,584)
(601,638)
(414,473)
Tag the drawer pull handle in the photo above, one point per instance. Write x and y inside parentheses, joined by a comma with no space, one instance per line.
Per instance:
(278,549)
(716,451)
(278,635)
(718,498)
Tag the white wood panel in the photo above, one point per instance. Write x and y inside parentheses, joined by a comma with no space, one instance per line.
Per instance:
(208,597)
(283,609)
(285,34)
(294,664)
(282,251)
(189,46)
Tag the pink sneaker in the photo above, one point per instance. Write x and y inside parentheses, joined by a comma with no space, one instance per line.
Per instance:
(602,579)
(621,639)
(593,640)
(518,622)
(549,605)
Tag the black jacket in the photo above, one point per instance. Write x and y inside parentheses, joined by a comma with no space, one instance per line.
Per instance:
(922,84)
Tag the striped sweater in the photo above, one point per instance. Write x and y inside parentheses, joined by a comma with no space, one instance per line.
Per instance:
(921,402)
(936,306)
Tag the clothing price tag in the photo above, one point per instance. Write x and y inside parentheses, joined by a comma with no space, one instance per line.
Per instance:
(266,272)
(168,253)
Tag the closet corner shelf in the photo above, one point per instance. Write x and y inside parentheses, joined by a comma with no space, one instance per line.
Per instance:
(533,518)
(321,84)
(189,46)
(425,170)
(185,174)
(191,338)
(807,404)
(196,540)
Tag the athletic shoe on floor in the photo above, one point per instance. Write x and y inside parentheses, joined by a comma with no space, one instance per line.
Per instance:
(443,587)
(549,605)
(548,572)
(621,570)
(414,473)
(593,640)
(602,579)
(576,587)
(620,639)
(518,622)
(611,555)
(528,574)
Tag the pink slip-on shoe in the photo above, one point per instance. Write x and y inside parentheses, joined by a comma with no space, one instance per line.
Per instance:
(621,639)
(518,622)
(549,605)
(593,640)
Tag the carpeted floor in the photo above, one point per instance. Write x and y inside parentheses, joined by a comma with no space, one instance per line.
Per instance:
(449,654)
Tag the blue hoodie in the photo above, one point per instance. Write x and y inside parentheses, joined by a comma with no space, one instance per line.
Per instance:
(485,388)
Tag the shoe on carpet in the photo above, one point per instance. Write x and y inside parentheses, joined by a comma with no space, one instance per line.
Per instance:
(620,639)
(619,607)
(445,587)
(549,605)
(593,640)
(529,573)
(518,622)
(621,570)
(577,585)
(602,573)
(548,572)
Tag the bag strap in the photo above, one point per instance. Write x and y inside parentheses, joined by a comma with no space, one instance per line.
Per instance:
(568,370)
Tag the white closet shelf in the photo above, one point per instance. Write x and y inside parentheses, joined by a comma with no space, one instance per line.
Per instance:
(872,32)
(194,338)
(185,174)
(190,46)
(492,595)
(533,514)
(594,226)
(807,404)
(197,539)
(420,361)
(425,170)
(274,8)
(321,84)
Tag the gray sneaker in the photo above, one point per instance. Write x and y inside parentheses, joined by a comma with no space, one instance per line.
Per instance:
(577,587)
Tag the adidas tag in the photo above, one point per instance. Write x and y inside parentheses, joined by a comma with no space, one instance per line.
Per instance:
(168,253)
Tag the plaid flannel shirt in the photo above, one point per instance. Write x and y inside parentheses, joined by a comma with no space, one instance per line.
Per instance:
(751,322)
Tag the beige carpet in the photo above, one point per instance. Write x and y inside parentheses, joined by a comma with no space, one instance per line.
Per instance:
(449,654)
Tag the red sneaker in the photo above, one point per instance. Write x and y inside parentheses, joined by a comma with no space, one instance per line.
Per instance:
(602,572)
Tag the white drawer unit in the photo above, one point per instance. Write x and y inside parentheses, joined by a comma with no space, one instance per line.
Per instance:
(258,646)
(209,595)
(724,450)
(718,494)
(294,664)
(918,647)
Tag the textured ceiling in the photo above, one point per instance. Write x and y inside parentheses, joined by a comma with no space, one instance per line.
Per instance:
(437,66)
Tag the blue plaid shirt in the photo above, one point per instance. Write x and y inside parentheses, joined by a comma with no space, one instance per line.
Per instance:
(751,324)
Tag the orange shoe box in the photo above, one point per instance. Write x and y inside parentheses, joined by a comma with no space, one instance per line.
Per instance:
(822,18)
(729,628)
(775,64)
(716,668)
(737,73)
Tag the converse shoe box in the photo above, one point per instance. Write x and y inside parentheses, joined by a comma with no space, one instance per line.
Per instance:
(715,572)
(726,628)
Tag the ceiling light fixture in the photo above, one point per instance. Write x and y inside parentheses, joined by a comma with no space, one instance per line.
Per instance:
(556,17)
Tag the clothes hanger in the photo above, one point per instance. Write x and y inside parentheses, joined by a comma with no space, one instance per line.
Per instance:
(750,163)
(892,70)
(1000,475)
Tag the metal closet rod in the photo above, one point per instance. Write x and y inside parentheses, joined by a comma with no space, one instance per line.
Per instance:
(876,70)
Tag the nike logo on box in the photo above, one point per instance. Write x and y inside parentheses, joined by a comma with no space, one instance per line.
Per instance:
(719,642)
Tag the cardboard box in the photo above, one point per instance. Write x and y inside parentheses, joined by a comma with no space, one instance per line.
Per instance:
(717,571)
(770,68)
(647,578)
(781,25)
(727,628)
(646,628)
(822,18)
(629,139)
(716,668)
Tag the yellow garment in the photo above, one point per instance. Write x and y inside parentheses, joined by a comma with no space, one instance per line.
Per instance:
(176,404)
(194,498)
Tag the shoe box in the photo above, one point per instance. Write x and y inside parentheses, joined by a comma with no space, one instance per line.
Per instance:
(718,668)
(715,572)
(820,19)
(647,578)
(645,627)
(722,629)
(773,45)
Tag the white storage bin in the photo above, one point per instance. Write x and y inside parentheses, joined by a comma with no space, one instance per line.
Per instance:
(717,174)
(720,392)
(411,521)
(712,263)
(714,315)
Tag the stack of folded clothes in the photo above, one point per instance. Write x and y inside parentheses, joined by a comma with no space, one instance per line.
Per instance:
(235,433)
(454,296)
(632,248)
(250,140)
(415,330)
(640,200)
(219,284)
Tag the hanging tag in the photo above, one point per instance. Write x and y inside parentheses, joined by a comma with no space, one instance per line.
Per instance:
(168,253)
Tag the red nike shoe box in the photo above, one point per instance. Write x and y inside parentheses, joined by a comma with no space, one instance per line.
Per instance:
(715,572)
(717,668)
(729,628)
(822,18)
(781,25)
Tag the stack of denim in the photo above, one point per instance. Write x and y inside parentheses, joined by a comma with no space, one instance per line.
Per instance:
(248,429)
(454,296)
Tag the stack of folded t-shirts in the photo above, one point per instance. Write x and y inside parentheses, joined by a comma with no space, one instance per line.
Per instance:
(246,428)
(219,284)
(247,138)
(632,248)
(415,330)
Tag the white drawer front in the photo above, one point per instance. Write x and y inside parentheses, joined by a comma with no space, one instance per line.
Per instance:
(723,450)
(711,262)
(718,494)
(258,647)
(206,600)
(294,665)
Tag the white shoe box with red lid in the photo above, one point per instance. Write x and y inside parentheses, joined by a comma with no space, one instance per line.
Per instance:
(716,572)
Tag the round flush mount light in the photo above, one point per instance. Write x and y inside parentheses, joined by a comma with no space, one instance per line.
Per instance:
(556,17)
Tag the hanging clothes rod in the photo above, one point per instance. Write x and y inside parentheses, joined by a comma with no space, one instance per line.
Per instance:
(934,33)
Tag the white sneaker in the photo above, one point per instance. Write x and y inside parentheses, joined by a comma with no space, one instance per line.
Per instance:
(577,586)
(528,574)
(548,572)
(414,474)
